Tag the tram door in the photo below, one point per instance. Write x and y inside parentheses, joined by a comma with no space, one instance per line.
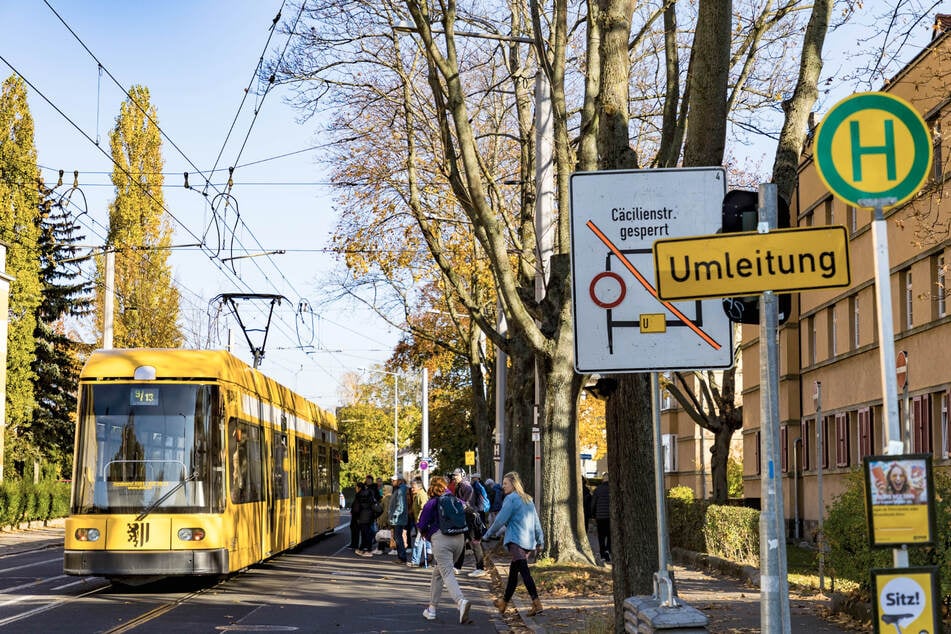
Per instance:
(279,510)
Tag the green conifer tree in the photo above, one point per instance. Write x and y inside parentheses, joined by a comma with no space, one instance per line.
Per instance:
(19,229)
(147,302)
(58,356)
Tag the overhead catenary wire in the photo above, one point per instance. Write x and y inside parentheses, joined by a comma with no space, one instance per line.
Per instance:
(235,279)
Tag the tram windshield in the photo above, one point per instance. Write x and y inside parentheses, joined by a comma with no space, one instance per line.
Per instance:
(141,442)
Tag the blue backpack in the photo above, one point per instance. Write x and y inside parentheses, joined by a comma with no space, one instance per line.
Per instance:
(452,515)
(483,495)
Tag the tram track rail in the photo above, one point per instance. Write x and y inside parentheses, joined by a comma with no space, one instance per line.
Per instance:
(158,611)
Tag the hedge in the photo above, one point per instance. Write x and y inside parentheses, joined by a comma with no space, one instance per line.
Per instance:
(729,532)
(24,501)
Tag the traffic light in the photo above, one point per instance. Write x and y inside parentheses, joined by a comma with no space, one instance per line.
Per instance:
(740,213)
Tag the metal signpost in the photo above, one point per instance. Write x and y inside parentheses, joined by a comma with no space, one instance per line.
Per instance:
(874,150)
(786,262)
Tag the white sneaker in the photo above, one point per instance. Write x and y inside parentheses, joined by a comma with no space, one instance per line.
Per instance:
(464,606)
(458,571)
(393,552)
(477,573)
(429,614)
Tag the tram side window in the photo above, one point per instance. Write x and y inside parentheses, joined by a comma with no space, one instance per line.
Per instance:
(305,468)
(323,474)
(244,449)
(335,473)
(279,470)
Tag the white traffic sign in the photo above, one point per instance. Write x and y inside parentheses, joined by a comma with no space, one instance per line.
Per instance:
(620,323)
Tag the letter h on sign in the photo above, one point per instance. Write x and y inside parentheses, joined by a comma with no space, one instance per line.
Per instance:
(740,213)
(859,150)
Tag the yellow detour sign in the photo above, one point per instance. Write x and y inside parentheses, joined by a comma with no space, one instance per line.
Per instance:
(736,264)
(873,145)
(470,457)
(906,600)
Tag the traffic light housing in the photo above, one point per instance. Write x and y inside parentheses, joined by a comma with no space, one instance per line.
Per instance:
(740,213)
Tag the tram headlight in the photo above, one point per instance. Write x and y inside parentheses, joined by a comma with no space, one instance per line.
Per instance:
(191,534)
(87,534)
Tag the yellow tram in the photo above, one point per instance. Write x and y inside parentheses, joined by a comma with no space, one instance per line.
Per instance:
(190,462)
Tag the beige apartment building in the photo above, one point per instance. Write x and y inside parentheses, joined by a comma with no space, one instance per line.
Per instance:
(832,335)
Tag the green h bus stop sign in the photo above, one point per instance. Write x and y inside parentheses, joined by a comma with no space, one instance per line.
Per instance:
(873,145)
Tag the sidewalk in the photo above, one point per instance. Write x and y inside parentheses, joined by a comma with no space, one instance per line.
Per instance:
(32,535)
(732,605)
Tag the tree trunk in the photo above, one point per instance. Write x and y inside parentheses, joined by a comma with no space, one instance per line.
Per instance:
(634,552)
(519,410)
(719,458)
(481,422)
(560,496)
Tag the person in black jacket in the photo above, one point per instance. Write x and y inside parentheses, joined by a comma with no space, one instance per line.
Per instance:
(601,510)
(586,503)
(362,513)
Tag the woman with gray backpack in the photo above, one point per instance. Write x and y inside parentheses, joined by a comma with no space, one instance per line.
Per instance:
(443,523)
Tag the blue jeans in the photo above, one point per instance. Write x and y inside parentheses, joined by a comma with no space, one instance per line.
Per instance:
(421,548)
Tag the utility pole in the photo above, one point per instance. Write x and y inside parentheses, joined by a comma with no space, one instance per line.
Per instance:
(544,236)
(774,601)
(5,281)
(109,300)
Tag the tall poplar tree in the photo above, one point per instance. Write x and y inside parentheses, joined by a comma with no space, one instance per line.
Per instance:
(147,302)
(19,229)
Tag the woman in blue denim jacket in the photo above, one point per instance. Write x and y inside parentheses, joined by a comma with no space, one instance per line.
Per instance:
(523,534)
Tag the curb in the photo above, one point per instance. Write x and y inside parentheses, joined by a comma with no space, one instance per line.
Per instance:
(703,561)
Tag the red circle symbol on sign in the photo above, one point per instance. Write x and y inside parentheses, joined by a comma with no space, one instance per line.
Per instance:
(901,369)
(615,292)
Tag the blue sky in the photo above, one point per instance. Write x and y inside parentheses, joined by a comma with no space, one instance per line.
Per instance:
(197,58)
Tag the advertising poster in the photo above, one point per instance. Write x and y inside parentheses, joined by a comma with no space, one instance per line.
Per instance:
(899,499)
(906,601)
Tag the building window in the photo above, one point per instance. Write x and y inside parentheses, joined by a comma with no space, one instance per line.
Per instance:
(756,453)
(833,339)
(842,440)
(945,430)
(937,162)
(784,448)
(904,279)
(852,218)
(829,212)
(669,442)
(941,306)
(828,435)
(667,401)
(921,424)
(811,333)
(808,442)
(856,323)
(866,444)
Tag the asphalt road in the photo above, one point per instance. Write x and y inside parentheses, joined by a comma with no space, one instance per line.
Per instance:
(323,587)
